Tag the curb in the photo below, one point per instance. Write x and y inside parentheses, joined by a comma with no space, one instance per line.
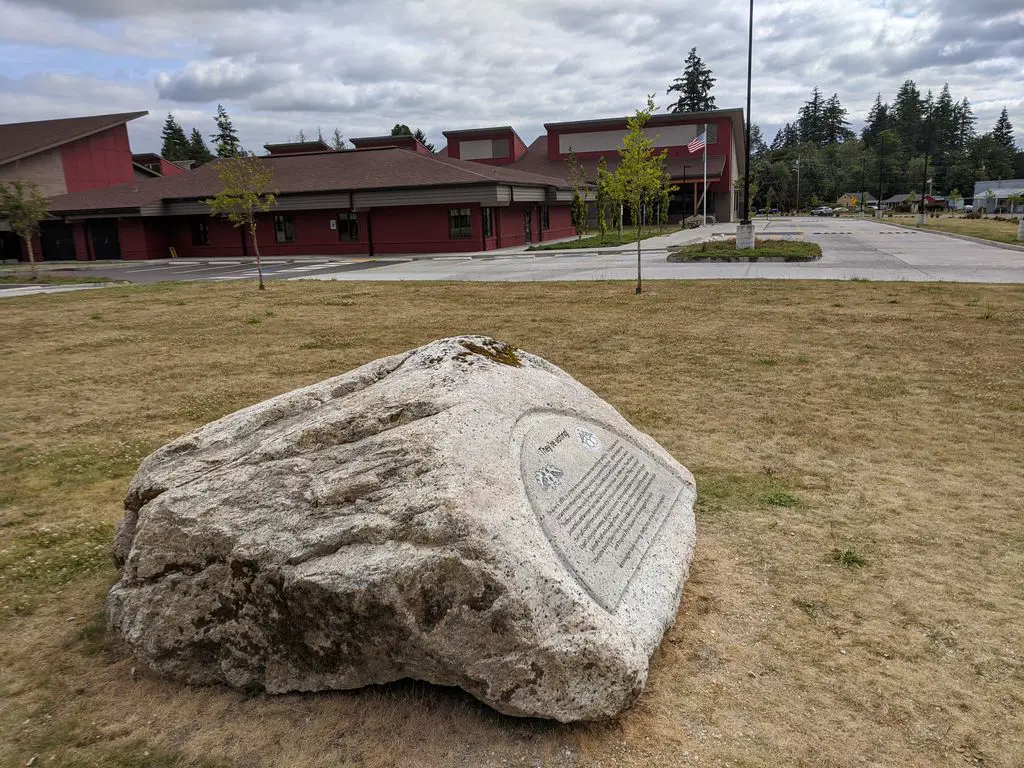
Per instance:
(968,238)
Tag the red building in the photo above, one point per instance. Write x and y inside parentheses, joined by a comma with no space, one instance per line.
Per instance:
(487,189)
(591,140)
(384,200)
(69,156)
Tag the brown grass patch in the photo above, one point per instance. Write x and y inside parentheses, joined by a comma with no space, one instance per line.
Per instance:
(856,598)
(986,229)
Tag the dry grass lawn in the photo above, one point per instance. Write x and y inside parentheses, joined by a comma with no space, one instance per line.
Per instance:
(986,229)
(857,598)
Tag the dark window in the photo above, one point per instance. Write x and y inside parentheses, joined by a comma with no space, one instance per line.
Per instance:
(348,226)
(458,224)
(200,233)
(713,133)
(545,218)
(284,228)
(488,218)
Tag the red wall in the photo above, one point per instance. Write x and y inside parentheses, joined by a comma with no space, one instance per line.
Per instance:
(406,229)
(167,168)
(101,160)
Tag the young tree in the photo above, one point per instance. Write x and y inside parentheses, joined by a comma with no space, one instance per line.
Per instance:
(198,152)
(603,196)
(641,176)
(24,206)
(245,193)
(337,142)
(175,145)
(578,182)
(225,140)
(694,87)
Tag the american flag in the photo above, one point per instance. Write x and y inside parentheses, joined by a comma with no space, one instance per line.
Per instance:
(696,144)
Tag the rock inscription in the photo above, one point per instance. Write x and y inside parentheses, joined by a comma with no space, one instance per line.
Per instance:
(600,499)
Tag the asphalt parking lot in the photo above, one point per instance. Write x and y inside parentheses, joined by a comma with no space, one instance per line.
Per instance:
(851,249)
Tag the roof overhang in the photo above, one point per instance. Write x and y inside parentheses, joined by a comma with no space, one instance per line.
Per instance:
(81,135)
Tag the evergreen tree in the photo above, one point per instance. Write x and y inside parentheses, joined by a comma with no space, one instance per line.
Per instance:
(421,137)
(1003,132)
(965,121)
(401,129)
(835,127)
(907,117)
(337,142)
(757,145)
(198,152)
(175,145)
(878,121)
(811,120)
(225,140)
(694,87)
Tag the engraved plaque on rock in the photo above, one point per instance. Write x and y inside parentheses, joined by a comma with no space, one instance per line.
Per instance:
(600,498)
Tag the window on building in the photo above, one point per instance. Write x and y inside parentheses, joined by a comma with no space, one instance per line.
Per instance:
(545,217)
(200,233)
(488,219)
(712,133)
(459,226)
(284,228)
(348,226)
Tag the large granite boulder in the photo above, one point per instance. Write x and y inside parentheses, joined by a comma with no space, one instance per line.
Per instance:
(465,513)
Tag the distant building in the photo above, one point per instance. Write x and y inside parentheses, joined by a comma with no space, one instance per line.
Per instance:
(993,196)
(854,199)
(591,140)
(296,147)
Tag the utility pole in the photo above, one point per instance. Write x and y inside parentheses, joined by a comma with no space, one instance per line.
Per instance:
(745,239)
(863,163)
(881,164)
(798,186)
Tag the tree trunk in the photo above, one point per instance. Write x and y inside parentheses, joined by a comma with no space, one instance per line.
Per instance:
(256,250)
(31,256)
(639,283)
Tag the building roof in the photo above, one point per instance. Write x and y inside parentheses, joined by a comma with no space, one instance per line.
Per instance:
(896,199)
(18,140)
(404,141)
(295,147)
(347,170)
(1001,188)
(867,196)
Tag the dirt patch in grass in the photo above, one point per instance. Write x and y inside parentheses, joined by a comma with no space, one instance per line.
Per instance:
(25,278)
(856,595)
(725,250)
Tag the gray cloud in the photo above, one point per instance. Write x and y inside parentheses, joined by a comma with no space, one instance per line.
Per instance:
(280,66)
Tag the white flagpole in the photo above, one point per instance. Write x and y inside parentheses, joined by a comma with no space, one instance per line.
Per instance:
(705,174)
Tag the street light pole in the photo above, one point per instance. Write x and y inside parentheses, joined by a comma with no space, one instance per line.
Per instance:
(863,165)
(922,216)
(750,65)
(798,186)
(745,231)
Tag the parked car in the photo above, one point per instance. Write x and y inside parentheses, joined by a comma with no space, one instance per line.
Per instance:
(840,209)
(968,209)
(821,210)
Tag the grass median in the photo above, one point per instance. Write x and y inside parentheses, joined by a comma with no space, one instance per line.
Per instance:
(1000,231)
(764,250)
(604,241)
(856,590)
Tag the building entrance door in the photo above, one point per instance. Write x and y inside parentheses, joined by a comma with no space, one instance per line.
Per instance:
(528,224)
(57,240)
(10,246)
(105,241)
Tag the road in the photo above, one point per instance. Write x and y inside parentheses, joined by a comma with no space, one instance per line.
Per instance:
(851,249)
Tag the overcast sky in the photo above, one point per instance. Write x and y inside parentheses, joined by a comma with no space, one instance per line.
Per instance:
(440,64)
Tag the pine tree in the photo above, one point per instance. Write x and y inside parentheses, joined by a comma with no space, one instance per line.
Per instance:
(835,127)
(811,120)
(421,137)
(175,145)
(225,141)
(965,120)
(694,87)
(878,121)
(907,117)
(198,152)
(1003,132)
(337,142)
(757,145)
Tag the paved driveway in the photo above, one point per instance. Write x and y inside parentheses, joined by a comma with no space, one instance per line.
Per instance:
(851,248)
